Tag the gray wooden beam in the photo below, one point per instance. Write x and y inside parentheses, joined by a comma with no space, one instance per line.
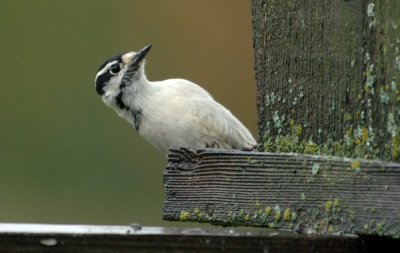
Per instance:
(303,193)
(18,238)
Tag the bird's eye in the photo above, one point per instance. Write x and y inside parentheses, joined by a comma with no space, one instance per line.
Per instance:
(115,69)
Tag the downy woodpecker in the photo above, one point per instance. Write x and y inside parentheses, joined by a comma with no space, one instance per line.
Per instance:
(169,113)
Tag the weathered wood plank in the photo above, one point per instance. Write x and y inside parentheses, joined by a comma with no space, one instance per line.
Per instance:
(328,79)
(305,193)
(22,238)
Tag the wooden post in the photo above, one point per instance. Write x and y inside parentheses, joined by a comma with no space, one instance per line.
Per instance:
(328,77)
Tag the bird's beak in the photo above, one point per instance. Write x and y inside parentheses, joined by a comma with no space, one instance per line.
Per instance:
(139,56)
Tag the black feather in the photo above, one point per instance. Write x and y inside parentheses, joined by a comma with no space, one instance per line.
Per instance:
(136,113)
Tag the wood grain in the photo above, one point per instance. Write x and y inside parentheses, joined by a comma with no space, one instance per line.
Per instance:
(304,193)
(331,68)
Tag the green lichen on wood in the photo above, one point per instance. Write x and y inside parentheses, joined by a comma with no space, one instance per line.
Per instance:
(268,211)
(355,165)
(328,206)
(359,112)
(184,216)
(315,169)
(287,215)
(198,214)
(195,215)
(354,144)
(327,218)
(277,215)
(336,205)
(396,145)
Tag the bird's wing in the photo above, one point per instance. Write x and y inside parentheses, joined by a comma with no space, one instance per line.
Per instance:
(199,121)
(219,127)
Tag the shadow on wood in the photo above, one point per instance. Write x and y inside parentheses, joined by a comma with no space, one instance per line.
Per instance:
(303,193)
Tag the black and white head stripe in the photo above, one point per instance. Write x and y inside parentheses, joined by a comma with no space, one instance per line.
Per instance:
(105,72)
(126,63)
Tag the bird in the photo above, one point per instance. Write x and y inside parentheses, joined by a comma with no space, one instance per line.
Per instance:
(171,113)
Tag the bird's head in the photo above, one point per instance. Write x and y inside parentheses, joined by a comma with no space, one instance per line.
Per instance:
(120,71)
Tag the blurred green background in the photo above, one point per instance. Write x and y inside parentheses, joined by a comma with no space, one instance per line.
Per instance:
(66,157)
